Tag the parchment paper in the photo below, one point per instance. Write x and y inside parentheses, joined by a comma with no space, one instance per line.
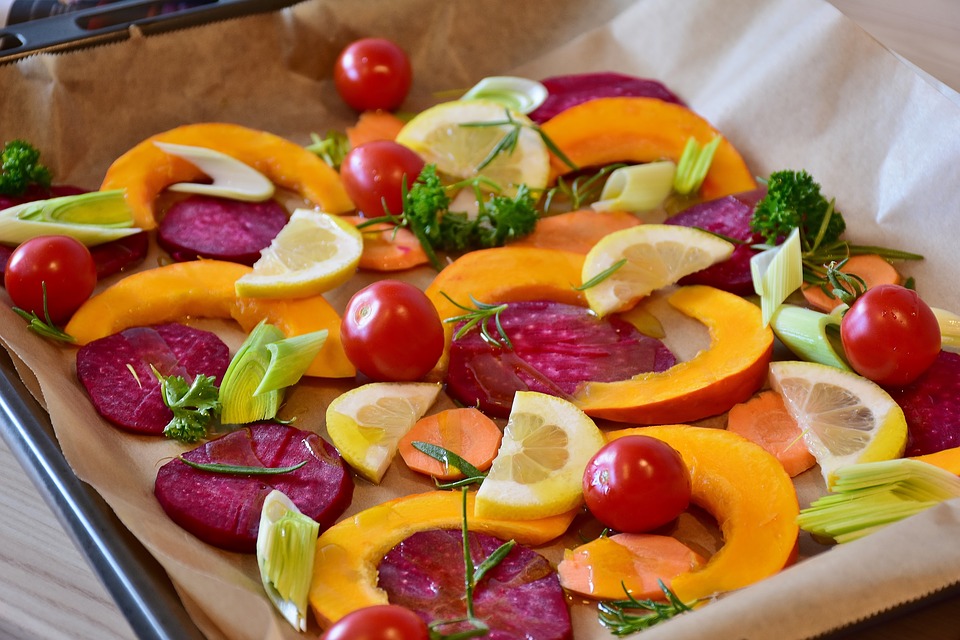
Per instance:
(792,83)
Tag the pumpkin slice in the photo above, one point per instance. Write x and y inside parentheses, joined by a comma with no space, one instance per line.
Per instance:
(750,495)
(345,565)
(205,289)
(731,370)
(607,130)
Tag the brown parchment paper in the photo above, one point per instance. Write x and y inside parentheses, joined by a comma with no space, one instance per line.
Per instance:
(792,83)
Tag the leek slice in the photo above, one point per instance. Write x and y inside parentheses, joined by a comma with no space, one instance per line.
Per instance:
(871,495)
(231,178)
(286,545)
(949,329)
(639,188)
(694,164)
(777,272)
(289,358)
(809,334)
(92,218)
(519,94)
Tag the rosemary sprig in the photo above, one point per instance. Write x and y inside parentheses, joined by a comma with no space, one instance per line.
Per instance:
(624,617)
(603,275)
(44,327)
(472,475)
(508,143)
(480,314)
(241,470)
(582,189)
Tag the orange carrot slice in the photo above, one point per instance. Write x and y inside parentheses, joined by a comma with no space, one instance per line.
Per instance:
(466,432)
(576,231)
(374,125)
(872,268)
(387,248)
(637,560)
(765,421)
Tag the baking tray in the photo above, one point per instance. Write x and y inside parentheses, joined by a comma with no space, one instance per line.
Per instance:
(112,23)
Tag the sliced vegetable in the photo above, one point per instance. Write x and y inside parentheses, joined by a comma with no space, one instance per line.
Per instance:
(576,231)
(873,269)
(519,94)
(373,125)
(387,247)
(466,432)
(92,218)
(930,404)
(570,90)
(777,272)
(810,335)
(693,165)
(639,188)
(949,329)
(764,419)
(230,178)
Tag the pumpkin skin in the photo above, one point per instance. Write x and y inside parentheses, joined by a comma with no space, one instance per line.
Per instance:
(345,564)
(752,498)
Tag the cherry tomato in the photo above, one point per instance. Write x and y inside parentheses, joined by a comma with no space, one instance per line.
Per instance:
(392,332)
(636,483)
(374,173)
(890,335)
(373,73)
(379,622)
(63,264)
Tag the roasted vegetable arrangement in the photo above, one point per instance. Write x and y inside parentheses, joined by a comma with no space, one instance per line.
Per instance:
(564,302)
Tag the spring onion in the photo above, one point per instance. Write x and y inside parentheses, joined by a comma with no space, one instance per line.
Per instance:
(868,496)
(286,544)
(694,164)
(777,272)
(640,188)
(92,218)
(231,178)
(519,94)
(809,334)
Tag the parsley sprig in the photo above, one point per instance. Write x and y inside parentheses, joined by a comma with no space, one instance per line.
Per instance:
(195,405)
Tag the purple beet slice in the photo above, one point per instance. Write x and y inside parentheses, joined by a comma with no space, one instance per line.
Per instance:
(728,216)
(220,228)
(568,91)
(556,347)
(520,598)
(116,371)
(931,405)
(224,510)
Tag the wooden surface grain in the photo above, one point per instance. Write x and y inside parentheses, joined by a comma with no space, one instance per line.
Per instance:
(48,591)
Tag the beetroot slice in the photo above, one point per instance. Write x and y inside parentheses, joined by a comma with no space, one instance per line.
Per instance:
(728,216)
(224,510)
(931,405)
(556,348)
(568,91)
(220,229)
(131,399)
(520,598)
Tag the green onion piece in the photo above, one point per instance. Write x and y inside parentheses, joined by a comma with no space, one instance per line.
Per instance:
(231,178)
(949,329)
(243,377)
(639,188)
(240,470)
(809,334)
(92,218)
(694,164)
(286,544)
(289,358)
(519,94)
(777,273)
(868,496)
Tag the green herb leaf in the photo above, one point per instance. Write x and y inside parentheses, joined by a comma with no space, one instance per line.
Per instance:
(332,148)
(603,275)
(20,167)
(241,470)
(194,406)
(625,617)
(480,314)
(44,327)
(451,459)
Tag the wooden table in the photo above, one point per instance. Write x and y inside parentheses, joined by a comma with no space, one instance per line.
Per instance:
(47,589)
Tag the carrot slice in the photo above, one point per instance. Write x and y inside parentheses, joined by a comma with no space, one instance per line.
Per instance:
(387,248)
(374,125)
(872,268)
(637,560)
(765,421)
(466,432)
(576,231)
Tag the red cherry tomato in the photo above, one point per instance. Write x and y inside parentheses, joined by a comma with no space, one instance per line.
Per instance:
(373,73)
(636,483)
(379,622)
(890,335)
(392,332)
(374,173)
(63,264)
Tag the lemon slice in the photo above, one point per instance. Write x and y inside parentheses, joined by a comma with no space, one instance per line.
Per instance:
(440,138)
(366,424)
(313,253)
(538,471)
(655,256)
(845,418)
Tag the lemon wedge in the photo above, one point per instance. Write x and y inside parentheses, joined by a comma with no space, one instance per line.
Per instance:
(845,418)
(313,253)
(439,136)
(538,471)
(366,424)
(652,256)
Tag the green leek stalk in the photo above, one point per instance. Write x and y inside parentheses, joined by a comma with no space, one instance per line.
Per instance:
(639,188)
(949,329)
(777,272)
(286,545)
(92,218)
(810,335)
(694,164)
